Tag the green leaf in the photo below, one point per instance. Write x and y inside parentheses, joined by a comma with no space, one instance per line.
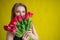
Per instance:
(23,28)
(30,38)
(25,22)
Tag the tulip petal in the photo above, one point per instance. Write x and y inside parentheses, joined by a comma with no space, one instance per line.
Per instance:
(7,28)
(19,18)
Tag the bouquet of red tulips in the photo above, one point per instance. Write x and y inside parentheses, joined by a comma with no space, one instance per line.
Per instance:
(19,25)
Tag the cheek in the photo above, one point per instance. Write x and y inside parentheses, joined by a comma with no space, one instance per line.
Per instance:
(23,14)
(17,14)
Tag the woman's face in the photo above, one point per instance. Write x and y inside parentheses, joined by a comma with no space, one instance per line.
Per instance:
(20,10)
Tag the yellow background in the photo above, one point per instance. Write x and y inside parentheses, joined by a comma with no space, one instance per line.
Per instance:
(46,17)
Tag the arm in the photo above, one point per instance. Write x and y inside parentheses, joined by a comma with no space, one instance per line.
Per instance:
(34,33)
(9,36)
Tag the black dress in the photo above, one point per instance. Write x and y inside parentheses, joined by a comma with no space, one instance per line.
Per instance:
(17,38)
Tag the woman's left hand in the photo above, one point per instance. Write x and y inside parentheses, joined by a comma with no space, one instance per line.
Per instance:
(29,34)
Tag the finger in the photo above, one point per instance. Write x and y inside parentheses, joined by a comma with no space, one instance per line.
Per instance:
(24,35)
(27,35)
(29,31)
(24,38)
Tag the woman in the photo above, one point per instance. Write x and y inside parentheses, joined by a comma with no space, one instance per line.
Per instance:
(20,9)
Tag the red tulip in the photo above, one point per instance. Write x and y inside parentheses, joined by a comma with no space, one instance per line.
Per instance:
(7,28)
(26,17)
(29,14)
(14,21)
(19,18)
(13,29)
(10,28)
(10,25)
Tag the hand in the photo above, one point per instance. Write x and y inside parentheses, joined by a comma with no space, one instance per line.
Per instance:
(27,35)
(30,34)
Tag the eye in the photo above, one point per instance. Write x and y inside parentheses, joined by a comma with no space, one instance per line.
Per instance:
(23,11)
(17,12)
